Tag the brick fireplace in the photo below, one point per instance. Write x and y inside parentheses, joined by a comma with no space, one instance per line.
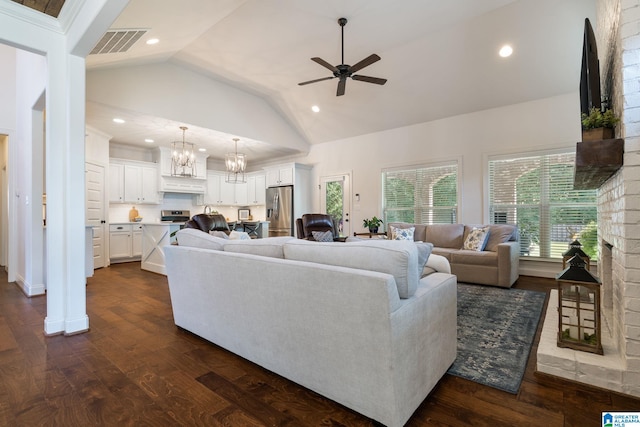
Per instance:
(618,33)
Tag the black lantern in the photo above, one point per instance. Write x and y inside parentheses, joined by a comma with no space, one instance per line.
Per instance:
(575,248)
(579,308)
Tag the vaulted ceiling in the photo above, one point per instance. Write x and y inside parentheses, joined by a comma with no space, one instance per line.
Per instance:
(440,58)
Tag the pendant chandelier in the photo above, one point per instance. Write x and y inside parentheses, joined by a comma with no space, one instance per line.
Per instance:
(183,157)
(236,165)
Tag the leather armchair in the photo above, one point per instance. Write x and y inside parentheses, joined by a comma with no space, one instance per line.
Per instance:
(299,229)
(317,222)
(207,222)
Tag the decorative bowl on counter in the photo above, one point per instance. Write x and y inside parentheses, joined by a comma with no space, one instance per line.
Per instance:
(137,219)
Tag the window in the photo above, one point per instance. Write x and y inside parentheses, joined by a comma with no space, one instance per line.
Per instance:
(536,192)
(424,195)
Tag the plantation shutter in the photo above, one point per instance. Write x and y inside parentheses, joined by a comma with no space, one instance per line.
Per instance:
(536,193)
(425,195)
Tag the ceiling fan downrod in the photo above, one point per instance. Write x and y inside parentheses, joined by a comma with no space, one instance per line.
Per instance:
(342,22)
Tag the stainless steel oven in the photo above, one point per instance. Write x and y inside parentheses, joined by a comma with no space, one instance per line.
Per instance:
(175,216)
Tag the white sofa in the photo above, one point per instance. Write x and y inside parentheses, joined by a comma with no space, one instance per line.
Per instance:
(374,341)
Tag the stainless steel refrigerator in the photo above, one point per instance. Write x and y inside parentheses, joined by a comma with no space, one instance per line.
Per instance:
(280,210)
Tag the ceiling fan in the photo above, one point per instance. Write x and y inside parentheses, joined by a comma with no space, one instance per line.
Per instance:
(343,71)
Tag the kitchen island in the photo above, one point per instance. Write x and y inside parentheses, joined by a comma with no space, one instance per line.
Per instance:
(155,236)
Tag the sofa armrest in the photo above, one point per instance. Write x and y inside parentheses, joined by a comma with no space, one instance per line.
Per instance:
(508,263)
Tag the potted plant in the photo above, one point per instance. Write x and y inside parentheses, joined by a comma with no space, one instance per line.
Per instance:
(372,224)
(598,125)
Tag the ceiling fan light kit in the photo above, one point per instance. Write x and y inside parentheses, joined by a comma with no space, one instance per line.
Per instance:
(344,71)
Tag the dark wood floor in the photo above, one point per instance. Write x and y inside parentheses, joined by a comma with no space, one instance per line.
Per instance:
(135,368)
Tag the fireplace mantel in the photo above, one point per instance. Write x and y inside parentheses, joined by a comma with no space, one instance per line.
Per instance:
(597,161)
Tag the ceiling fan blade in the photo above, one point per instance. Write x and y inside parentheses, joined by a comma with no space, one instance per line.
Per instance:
(341,86)
(364,63)
(324,64)
(316,80)
(368,79)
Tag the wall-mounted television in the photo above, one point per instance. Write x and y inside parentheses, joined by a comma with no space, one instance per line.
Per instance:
(590,73)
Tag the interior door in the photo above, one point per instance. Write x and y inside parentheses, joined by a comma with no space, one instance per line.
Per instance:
(95,211)
(335,196)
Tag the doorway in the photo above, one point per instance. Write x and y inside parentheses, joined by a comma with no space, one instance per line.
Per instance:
(335,197)
(95,210)
(4,202)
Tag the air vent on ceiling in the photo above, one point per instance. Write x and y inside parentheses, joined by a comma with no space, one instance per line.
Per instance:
(116,41)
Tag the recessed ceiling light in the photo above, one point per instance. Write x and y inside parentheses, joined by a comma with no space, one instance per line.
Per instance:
(117,120)
(152,41)
(315,109)
(148,140)
(505,51)
(202,149)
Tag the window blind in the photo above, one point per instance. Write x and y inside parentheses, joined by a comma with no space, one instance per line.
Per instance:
(536,193)
(426,195)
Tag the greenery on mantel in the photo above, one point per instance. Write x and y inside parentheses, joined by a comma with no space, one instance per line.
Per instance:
(598,119)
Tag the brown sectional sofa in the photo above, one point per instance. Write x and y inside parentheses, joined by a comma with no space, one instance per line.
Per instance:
(496,265)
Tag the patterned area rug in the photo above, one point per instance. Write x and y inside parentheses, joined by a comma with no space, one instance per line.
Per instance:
(496,328)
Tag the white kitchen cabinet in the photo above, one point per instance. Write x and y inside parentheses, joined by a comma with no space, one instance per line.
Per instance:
(241,197)
(281,175)
(256,186)
(116,183)
(220,192)
(136,240)
(133,182)
(140,184)
(125,242)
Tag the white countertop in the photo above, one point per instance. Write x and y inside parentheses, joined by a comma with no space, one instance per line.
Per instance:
(147,223)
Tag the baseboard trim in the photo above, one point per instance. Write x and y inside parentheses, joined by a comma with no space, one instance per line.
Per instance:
(28,289)
(76,326)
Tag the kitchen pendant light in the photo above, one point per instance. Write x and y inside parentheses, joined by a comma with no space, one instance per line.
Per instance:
(183,157)
(236,164)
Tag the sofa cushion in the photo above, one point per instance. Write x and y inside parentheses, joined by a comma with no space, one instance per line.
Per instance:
(270,246)
(444,252)
(500,233)
(445,235)
(402,233)
(485,258)
(419,230)
(476,239)
(199,239)
(395,257)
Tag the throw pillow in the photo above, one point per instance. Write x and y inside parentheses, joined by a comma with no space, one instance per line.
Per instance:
(402,233)
(218,233)
(322,236)
(424,251)
(477,239)
(239,235)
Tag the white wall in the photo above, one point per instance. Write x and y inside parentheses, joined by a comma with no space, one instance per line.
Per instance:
(172,92)
(7,88)
(469,139)
(64,42)
(30,87)
(7,129)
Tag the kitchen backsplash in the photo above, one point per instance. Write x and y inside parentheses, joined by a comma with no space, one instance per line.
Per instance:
(176,201)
